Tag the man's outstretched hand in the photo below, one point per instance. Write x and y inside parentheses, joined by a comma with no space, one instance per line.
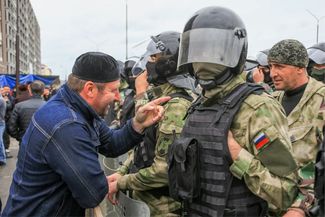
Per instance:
(149,114)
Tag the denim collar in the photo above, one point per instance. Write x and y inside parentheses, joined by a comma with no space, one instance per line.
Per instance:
(77,103)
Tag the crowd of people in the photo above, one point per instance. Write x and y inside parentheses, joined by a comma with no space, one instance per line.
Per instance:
(15,115)
(205,136)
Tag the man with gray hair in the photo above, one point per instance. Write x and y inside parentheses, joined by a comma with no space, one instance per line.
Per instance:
(23,111)
(303,99)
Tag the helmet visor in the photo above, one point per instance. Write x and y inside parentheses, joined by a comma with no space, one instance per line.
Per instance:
(316,55)
(152,48)
(262,59)
(139,66)
(210,45)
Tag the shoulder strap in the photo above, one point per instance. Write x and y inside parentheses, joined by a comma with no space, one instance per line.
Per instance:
(194,105)
(183,95)
(241,92)
(233,100)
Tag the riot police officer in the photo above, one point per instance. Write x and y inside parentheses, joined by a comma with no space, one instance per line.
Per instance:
(261,74)
(243,171)
(147,170)
(128,106)
(316,64)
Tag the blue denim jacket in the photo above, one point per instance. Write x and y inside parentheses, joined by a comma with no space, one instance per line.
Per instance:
(58,173)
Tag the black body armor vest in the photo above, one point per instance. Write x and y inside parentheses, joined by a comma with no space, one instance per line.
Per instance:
(221,194)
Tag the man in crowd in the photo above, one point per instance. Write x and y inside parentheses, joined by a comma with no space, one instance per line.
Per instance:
(10,102)
(255,167)
(23,93)
(58,173)
(23,111)
(303,99)
(128,106)
(3,156)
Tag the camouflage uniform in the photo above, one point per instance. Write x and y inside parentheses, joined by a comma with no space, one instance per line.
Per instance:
(258,167)
(155,176)
(305,121)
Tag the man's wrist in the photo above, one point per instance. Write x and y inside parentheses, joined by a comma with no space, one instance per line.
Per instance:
(122,182)
(137,127)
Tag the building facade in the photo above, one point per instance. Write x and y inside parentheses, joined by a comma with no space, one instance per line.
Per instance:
(28,34)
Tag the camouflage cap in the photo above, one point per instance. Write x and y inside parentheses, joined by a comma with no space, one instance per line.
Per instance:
(289,52)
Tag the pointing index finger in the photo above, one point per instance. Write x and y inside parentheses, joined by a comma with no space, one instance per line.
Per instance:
(161,100)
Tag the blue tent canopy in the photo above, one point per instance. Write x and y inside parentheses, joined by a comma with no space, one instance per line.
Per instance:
(10,80)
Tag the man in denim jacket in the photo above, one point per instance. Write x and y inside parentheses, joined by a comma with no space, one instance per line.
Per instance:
(58,173)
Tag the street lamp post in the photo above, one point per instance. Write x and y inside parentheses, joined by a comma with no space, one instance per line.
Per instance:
(17,47)
(317,19)
(126,29)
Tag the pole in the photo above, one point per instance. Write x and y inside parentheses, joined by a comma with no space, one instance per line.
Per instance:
(126,29)
(317,32)
(317,27)
(17,47)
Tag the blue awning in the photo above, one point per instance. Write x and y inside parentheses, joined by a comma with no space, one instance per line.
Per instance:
(10,80)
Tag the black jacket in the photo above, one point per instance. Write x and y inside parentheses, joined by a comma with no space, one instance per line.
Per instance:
(21,116)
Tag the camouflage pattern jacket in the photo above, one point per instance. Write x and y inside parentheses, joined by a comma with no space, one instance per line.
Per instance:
(155,176)
(265,162)
(306,123)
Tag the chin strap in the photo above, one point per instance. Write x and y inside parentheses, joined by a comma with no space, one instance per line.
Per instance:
(221,79)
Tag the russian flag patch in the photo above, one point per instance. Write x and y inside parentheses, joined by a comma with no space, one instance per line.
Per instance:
(260,141)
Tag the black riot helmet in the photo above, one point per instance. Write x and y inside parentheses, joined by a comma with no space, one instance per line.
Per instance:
(128,65)
(316,53)
(128,76)
(165,46)
(214,35)
(121,69)
(261,57)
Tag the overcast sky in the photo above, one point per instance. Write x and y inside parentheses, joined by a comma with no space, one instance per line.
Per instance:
(72,27)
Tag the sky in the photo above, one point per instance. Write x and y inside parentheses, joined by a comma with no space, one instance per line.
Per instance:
(72,27)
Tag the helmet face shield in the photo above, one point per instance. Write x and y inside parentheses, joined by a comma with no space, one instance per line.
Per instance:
(152,48)
(139,66)
(210,45)
(316,55)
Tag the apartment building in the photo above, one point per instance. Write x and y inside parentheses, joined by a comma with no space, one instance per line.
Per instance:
(29,38)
